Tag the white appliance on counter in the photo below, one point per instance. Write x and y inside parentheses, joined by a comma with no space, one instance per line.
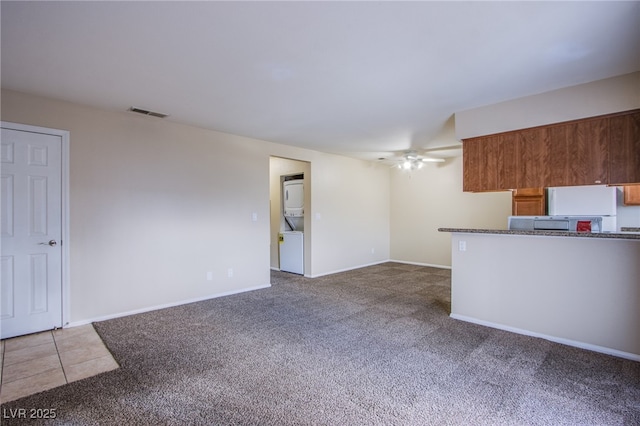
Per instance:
(587,200)
(555,223)
(292,252)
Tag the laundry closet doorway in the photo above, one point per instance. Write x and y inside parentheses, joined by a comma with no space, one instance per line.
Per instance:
(281,169)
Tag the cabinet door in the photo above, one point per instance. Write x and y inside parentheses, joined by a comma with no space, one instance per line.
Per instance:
(490,163)
(499,162)
(509,161)
(528,202)
(532,158)
(577,153)
(588,152)
(471,165)
(632,195)
(624,149)
(558,164)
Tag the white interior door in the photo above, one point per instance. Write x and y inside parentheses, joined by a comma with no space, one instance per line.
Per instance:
(31,215)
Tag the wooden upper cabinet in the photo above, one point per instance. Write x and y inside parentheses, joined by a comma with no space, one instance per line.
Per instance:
(577,153)
(624,148)
(502,161)
(532,157)
(598,150)
(498,160)
(471,165)
(588,153)
(491,157)
(556,166)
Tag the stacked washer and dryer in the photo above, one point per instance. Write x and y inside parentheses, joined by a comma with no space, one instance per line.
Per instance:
(292,233)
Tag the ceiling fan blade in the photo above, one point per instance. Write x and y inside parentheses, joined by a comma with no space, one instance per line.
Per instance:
(442,148)
(432,160)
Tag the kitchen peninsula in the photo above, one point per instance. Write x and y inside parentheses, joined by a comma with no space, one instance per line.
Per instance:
(580,289)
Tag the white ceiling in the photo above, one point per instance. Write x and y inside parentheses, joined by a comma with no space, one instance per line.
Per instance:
(356,78)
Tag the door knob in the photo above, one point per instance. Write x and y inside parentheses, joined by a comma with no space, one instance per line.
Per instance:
(51,243)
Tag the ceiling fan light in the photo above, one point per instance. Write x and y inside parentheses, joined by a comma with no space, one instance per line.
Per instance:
(412,161)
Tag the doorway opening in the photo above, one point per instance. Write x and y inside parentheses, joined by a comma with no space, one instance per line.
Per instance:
(295,226)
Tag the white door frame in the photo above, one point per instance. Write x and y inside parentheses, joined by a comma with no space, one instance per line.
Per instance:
(64,136)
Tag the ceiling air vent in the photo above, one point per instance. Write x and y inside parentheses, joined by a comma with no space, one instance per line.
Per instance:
(147,112)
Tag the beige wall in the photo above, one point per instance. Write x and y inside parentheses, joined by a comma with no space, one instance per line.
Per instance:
(350,213)
(155,205)
(425,200)
(586,288)
(600,97)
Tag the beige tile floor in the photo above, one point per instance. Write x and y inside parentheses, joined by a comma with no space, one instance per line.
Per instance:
(37,362)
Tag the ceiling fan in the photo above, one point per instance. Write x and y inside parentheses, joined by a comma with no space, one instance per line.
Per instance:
(416,159)
(412,161)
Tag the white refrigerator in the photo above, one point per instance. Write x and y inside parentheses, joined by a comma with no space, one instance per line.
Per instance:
(292,252)
(588,200)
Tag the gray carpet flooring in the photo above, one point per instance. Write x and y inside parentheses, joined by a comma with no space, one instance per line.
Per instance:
(373,346)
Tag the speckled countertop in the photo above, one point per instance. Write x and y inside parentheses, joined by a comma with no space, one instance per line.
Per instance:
(617,235)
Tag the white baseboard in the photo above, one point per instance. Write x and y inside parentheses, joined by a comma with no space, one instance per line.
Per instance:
(163,306)
(347,269)
(377,263)
(432,265)
(568,342)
